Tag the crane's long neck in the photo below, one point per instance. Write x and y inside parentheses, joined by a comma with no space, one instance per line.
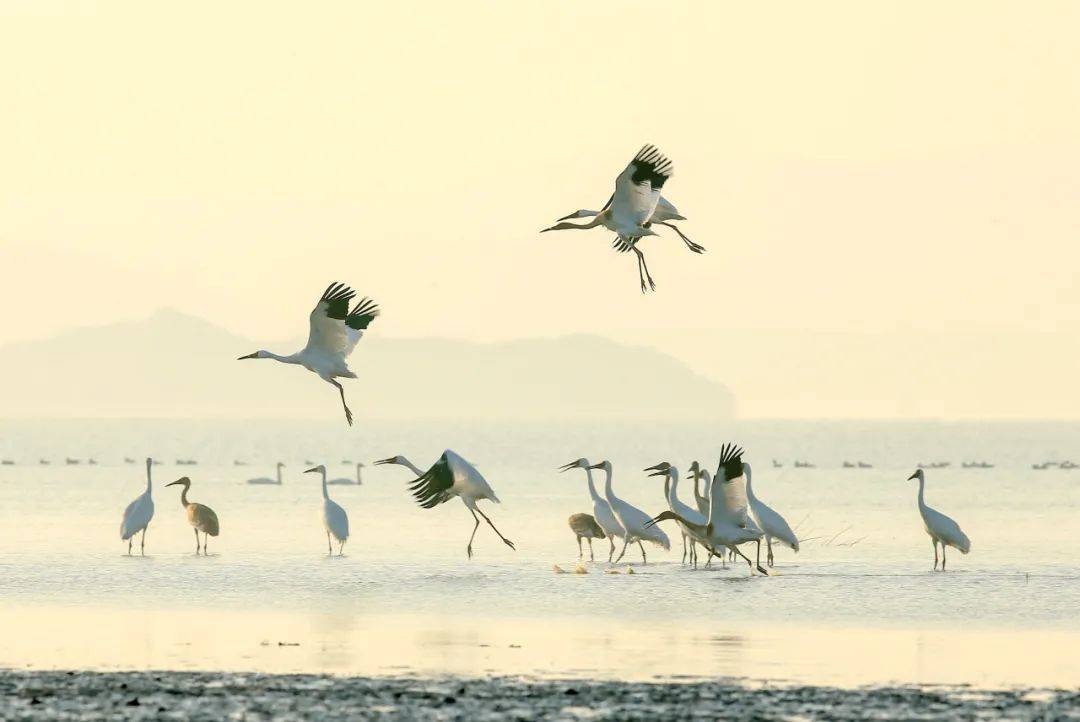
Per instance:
(149,463)
(415,469)
(290,359)
(183,496)
(922,487)
(714,496)
(592,486)
(673,496)
(749,487)
(325,495)
(608,493)
(667,492)
(358,481)
(279,472)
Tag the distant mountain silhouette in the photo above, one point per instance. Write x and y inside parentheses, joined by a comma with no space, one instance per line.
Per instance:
(173,365)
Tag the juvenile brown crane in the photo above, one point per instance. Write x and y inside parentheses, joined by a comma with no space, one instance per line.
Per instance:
(584,526)
(201,517)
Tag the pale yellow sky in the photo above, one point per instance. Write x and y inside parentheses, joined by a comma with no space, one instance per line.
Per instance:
(870,167)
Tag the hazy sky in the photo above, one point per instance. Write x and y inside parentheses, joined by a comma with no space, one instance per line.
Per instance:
(878,168)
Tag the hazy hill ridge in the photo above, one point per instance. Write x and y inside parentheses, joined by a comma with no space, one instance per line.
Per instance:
(175,365)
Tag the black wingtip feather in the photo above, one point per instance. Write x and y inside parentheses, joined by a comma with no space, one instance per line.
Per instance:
(362,314)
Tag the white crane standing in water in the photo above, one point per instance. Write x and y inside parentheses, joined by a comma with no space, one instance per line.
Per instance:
(335,520)
(138,514)
(634,521)
(634,207)
(601,509)
(770,521)
(201,517)
(942,529)
(334,333)
(671,493)
(451,476)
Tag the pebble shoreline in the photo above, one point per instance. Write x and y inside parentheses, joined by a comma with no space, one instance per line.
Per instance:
(59,695)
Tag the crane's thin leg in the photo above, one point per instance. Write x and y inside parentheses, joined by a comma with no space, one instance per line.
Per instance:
(329,548)
(642,547)
(760,568)
(142,543)
(643,267)
(934,543)
(341,549)
(768,542)
(611,552)
(341,389)
(506,541)
(712,551)
(592,557)
(695,247)
(132,539)
(468,549)
(196,541)
(684,549)
(736,550)
(942,556)
(579,552)
(624,545)
(205,541)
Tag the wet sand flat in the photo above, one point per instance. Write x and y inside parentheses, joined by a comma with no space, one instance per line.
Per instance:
(74,695)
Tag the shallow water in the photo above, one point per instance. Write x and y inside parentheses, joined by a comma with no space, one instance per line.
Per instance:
(858,605)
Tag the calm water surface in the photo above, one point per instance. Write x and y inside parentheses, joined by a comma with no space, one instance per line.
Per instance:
(859,604)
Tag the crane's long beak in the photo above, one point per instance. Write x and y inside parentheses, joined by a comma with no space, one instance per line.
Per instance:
(662,466)
(597,466)
(913,476)
(568,467)
(174,483)
(250,355)
(661,472)
(308,471)
(380,462)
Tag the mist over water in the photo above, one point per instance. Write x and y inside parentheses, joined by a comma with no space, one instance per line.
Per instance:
(857,604)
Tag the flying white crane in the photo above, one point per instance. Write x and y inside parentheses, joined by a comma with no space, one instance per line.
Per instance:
(633,520)
(201,517)
(721,531)
(451,476)
(942,529)
(671,493)
(137,515)
(268,480)
(634,207)
(335,520)
(601,509)
(335,331)
(770,521)
(347,480)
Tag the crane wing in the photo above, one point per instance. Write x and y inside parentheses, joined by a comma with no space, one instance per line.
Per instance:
(637,189)
(433,486)
(334,329)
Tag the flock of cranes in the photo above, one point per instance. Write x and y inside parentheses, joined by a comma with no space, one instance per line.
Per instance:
(726,512)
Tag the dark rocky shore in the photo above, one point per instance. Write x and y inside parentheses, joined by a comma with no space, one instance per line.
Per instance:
(217,696)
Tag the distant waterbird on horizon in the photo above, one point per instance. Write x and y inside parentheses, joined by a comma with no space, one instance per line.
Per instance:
(942,529)
(267,479)
(138,514)
(341,480)
(201,517)
(634,207)
(334,333)
(451,476)
(335,520)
